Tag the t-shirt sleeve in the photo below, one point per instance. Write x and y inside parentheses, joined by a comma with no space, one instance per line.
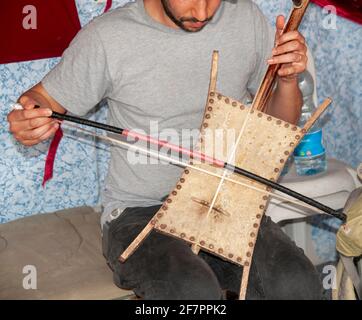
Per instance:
(81,79)
(264,43)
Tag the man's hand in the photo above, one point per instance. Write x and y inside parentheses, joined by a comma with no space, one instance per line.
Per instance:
(290,51)
(31,126)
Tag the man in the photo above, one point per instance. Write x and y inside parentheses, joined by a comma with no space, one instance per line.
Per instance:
(150,60)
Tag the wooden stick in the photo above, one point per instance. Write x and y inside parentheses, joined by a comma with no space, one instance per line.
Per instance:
(244,282)
(195,248)
(136,242)
(317,114)
(214,69)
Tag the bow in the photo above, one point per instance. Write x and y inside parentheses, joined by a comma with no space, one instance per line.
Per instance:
(200,156)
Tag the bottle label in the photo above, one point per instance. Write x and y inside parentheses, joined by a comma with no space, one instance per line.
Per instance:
(310,146)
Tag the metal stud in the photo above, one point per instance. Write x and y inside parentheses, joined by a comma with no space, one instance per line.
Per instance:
(211,101)
(169,200)
(207,116)
(269,118)
(220,250)
(174,193)
(297,137)
(230,255)
(192,238)
(276,170)
(205,125)
(211,246)
(178,187)
(251,244)
(260,114)
(187,171)
(246,264)
(261,207)
(286,153)
(212,94)
(258,216)
(248,254)
(182,180)
(265,198)
(242,107)
(279,121)
(163,226)
(159,215)
(255,225)
(252,235)
(202,242)
(182,235)
(286,125)
(294,128)
(209,108)
(227,100)
(172,231)
(238,259)
(292,144)
(164,207)
(234,104)
(219,96)
(282,160)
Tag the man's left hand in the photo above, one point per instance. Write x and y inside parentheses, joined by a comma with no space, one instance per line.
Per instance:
(290,51)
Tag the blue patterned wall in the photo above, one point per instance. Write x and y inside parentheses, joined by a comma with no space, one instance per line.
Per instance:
(80,167)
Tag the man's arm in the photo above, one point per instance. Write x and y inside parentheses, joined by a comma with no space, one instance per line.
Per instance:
(286,101)
(31,126)
(291,52)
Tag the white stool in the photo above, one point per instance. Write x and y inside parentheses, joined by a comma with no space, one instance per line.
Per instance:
(331,188)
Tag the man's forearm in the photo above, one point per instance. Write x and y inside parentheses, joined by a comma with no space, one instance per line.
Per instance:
(287,101)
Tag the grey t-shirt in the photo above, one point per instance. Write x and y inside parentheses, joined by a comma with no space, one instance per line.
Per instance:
(156,79)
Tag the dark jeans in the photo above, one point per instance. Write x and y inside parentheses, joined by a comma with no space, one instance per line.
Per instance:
(165,268)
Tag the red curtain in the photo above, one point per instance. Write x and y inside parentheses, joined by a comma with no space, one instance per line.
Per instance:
(36,29)
(350,9)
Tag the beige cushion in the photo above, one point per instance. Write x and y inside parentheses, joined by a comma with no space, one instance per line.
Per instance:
(65,248)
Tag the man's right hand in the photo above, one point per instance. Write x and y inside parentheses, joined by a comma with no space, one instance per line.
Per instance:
(33,125)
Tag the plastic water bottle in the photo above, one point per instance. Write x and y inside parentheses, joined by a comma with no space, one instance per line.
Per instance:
(310,155)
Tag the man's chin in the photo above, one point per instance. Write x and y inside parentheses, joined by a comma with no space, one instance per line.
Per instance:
(193,29)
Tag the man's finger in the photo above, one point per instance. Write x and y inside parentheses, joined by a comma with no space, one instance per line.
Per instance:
(27,103)
(291,70)
(290,36)
(291,46)
(38,132)
(20,115)
(17,126)
(280,23)
(44,137)
(287,58)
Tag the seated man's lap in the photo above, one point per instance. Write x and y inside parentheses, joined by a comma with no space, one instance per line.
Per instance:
(164,267)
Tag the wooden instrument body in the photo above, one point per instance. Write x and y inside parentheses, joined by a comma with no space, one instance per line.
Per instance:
(229,230)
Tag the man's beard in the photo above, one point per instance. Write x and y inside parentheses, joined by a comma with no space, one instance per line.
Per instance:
(180,22)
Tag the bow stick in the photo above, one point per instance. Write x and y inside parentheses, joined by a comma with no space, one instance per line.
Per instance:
(203,157)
